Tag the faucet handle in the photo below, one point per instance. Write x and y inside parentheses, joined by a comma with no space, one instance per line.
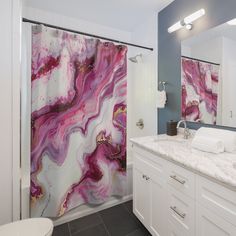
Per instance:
(187,133)
(140,123)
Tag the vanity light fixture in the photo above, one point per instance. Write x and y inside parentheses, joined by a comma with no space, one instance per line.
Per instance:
(232,22)
(187,21)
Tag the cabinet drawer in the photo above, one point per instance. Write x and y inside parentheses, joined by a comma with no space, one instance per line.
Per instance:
(181,212)
(217,198)
(182,180)
(174,230)
(208,223)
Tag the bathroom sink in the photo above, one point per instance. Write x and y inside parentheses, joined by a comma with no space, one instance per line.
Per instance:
(170,140)
(172,143)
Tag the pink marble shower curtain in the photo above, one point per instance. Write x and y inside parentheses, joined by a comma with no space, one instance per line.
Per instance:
(200,90)
(78,120)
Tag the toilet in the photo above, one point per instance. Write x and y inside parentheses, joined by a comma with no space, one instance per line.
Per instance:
(28,227)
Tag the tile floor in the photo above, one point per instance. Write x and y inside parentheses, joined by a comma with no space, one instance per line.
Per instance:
(115,221)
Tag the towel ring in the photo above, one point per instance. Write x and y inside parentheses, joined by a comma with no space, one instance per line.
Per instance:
(163,83)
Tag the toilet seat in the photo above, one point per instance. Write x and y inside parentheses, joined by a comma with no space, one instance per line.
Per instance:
(28,227)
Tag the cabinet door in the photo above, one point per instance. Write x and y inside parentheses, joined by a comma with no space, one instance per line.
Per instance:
(158,204)
(141,196)
(150,194)
(208,223)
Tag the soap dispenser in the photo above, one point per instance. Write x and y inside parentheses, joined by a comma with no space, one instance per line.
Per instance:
(171,129)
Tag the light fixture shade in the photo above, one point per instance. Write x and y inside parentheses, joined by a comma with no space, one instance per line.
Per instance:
(189,19)
(232,22)
(175,27)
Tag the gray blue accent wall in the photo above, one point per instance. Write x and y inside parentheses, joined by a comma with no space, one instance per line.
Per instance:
(169,47)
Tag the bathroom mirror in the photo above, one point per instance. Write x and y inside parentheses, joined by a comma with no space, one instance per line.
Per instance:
(208,76)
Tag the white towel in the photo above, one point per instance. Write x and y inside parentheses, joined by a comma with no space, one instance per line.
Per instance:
(161,99)
(227,137)
(208,144)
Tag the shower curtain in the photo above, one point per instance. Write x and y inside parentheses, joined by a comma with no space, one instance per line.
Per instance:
(78,121)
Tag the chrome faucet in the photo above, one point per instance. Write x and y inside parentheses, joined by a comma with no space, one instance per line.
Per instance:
(186,130)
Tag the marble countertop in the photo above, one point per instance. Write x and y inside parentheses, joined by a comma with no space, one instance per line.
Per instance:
(220,167)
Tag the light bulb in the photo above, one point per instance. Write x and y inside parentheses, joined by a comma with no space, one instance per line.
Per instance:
(175,27)
(232,22)
(189,26)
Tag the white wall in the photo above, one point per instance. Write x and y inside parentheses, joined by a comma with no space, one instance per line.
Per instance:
(80,25)
(6,112)
(185,50)
(144,79)
(10,109)
(210,50)
(229,82)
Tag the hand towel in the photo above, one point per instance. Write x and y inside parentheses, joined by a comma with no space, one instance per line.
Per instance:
(161,99)
(228,137)
(208,144)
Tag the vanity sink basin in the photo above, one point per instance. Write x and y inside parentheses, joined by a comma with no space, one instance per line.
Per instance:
(173,141)
(170,143)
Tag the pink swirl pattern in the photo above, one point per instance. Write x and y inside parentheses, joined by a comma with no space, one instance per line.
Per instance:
(200,82)
(78,147)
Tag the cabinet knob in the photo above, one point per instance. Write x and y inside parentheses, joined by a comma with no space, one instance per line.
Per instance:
(146,177)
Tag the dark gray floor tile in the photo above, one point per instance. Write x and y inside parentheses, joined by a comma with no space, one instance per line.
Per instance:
(140,232)
(98,230)
(119,221)
(129,206)
(61,230)
(84,223)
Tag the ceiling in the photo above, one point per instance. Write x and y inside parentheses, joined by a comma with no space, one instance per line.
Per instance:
(119,14)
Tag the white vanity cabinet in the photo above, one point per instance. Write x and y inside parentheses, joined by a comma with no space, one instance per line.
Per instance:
(150,193)
(173,201)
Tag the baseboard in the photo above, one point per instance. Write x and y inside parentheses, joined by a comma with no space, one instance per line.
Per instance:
(75,214)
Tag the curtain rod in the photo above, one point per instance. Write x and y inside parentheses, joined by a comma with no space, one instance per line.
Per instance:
(191,58)
(86,34)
